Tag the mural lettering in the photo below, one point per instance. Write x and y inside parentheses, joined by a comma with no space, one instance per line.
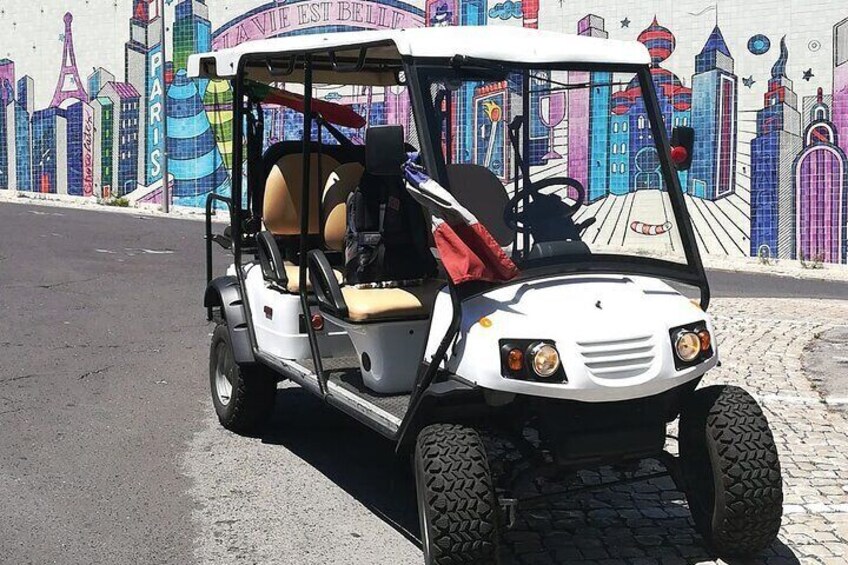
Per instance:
(155,105)
(87,149)
(275,20)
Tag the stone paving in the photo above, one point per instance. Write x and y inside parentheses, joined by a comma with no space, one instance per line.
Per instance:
(319,489)
(761,343)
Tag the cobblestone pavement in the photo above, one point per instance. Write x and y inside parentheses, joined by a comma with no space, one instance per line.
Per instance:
(761,343)
(321,490)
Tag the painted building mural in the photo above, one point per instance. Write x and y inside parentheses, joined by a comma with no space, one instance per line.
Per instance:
(766,91)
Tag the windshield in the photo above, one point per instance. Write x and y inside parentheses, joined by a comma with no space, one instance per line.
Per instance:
(584,141)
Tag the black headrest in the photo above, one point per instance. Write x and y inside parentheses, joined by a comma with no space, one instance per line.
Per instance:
(385,150)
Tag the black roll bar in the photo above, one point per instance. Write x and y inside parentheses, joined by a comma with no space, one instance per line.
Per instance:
(289,69)
(237,185)
(348,68)
(304,222)
(675,193)
(210,200)
(525,145)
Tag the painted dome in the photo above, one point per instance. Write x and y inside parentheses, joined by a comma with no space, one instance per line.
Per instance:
(669,87)
(659,41)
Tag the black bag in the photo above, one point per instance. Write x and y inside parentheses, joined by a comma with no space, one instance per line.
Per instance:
(387,234)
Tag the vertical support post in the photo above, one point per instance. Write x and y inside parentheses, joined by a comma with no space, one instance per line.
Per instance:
(525,148)
(305,203)
(238,164)
(449,127)
(166,188)
(672,181)
(306,197)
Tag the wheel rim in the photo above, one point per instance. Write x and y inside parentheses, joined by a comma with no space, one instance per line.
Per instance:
(223,376)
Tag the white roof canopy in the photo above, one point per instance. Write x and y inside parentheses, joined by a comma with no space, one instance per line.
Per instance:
(494,43)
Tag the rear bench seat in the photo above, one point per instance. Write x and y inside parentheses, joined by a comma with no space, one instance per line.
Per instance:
(330,183)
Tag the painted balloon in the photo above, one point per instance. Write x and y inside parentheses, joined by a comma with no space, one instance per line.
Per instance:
(759,44)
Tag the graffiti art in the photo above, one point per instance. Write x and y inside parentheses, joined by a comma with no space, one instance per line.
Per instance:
(768,167)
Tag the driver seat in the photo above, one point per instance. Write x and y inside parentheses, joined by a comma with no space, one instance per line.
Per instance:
(383,301)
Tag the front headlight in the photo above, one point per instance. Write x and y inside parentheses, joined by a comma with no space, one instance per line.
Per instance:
(544,359)
(687,346)
(531,360)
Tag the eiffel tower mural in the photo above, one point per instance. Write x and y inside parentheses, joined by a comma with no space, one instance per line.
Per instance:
(69,86)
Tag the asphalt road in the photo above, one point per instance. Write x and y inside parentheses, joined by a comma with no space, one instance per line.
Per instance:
(102,344)
(103,397)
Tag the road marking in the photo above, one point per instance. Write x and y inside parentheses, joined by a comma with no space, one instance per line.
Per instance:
(38,213)
(837,401)
(817,508)
(805,400)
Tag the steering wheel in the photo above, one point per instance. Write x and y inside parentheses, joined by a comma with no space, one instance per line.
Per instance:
(545,207)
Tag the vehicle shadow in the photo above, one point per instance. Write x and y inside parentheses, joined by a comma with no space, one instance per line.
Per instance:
(642,522)
(358,460)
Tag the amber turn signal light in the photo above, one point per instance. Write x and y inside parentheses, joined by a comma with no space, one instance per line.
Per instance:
(515,360)
(705,339)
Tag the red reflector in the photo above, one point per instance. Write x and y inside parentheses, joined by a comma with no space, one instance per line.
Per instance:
(679,155)
(317,322)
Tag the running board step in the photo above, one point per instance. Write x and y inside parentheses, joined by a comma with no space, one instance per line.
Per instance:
(370,415)
(347,401)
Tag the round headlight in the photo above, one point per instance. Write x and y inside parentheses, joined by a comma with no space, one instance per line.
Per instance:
(687,346)
(544,359)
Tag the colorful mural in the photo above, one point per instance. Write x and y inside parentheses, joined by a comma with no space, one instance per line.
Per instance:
(769,105)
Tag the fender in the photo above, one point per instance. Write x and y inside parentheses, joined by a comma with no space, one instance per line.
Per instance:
(224,292)
(448,399)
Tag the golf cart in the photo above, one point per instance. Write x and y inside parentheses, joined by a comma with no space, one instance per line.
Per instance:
(547,320)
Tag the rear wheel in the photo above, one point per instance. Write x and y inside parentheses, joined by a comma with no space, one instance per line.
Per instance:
(457,507)
(243,396)
(731,471)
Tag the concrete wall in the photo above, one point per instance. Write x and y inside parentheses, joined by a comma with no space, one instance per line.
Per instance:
(764,83)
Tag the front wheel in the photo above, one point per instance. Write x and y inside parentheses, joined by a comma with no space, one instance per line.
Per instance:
(731,471)
(457,507)
(243,396)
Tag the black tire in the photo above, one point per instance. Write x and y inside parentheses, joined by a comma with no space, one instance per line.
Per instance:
(250,401)
(731,471)
(457,507)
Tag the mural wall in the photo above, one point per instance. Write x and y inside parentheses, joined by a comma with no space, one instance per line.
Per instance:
(86,93)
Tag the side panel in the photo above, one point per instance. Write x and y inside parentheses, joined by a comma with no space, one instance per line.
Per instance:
(279,326)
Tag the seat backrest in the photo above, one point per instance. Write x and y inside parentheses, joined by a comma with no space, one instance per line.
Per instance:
(340,184)
(281,149)
(284,193)
(478,189)
(387,231)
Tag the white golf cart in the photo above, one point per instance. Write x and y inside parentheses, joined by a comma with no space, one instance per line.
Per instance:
(581,339)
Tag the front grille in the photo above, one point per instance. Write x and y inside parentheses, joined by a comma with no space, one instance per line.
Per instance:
(618,359)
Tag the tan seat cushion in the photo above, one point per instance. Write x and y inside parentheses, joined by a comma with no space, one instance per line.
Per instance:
(376,304)
(293,274)
(284,193)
